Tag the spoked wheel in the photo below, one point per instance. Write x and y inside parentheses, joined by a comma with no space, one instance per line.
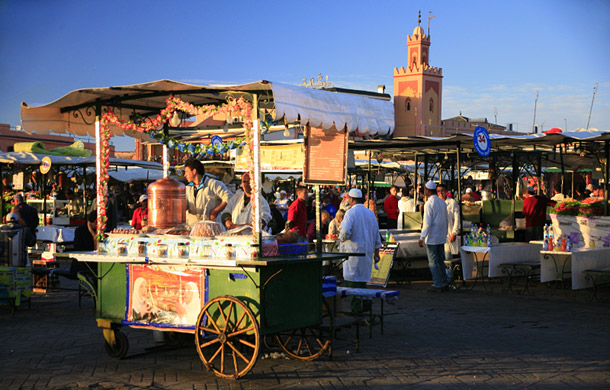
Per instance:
(227,337)
(309,343)
(120,347)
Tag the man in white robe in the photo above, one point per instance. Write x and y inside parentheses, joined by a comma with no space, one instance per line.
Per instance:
(359,234)
(452,246)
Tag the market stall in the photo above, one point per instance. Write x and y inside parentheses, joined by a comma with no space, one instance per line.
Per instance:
(228,289)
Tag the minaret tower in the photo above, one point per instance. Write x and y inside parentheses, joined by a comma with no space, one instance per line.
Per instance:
(418,89)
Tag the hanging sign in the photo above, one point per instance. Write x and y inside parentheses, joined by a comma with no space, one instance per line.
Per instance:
(481,141)
(217,142)
(325,157)
(45,165)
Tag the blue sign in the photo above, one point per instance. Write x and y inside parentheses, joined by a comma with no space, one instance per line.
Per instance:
(217,142)
(481,141)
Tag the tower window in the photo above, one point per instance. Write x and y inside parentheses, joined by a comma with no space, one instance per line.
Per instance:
(408,105)
(431,105)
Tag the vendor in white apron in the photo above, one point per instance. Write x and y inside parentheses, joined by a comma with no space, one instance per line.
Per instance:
(452,246)
(205,197)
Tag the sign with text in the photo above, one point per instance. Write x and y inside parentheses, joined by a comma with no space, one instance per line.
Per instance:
(381,273)
(276,158)
(325,156)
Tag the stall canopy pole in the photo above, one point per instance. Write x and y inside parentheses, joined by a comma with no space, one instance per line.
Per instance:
(99,190)
(256,195)
(368,186)
(539,174)
(515,178)
(415,189)
(459,189)
(165,152)
(563,170)
(606,177)
(318,220)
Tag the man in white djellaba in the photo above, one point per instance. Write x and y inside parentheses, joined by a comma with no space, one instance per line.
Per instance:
(359,234)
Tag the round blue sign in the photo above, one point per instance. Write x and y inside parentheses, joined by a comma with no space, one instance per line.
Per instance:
(481,141)
(217,141)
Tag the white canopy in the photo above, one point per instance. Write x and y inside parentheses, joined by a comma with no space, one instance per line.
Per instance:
(75,112)
(35,159)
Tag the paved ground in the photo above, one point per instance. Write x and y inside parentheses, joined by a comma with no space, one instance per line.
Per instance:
(457,340)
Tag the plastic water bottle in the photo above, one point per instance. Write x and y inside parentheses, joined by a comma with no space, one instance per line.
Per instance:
(387,235)
(546,232)
(551,241)
(545,246)
(489,240)
(569,245)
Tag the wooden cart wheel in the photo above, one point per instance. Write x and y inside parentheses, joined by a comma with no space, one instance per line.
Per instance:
(309,343)
(227,337)
(120,348)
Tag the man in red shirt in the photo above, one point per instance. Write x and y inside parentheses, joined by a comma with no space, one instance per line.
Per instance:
(390,206)
(297,213)
(534,211)
(140,215)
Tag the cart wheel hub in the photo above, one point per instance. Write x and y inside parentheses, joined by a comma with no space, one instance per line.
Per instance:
(222,338)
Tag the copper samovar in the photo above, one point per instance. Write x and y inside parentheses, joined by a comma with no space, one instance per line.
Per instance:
(166,203)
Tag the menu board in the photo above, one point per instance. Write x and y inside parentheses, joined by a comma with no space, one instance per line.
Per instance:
(325,156)
(276,158)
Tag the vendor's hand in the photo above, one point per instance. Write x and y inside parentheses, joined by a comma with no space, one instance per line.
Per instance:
(377,258)
(420,243)
(212,217)
(452,238)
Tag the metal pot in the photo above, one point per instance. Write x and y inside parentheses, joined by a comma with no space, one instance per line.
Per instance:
(166,203)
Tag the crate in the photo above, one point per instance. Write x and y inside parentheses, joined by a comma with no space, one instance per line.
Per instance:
(297,248)
(43,282)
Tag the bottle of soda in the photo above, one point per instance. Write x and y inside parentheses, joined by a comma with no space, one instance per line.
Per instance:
(564,244)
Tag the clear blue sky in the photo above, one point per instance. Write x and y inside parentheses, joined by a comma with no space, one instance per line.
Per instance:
(493,53)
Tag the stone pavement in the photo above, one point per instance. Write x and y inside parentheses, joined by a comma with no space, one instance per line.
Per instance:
(457,340)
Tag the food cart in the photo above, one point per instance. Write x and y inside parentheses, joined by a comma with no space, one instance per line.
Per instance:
(240,302)
(228,291)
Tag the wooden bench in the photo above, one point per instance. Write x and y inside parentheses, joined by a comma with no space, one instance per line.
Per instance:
(526,269)
(598,276)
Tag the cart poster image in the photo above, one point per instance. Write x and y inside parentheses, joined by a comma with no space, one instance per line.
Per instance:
(381,274)
(164,296)
(325,156)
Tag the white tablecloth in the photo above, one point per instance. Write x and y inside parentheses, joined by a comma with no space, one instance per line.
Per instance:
(576,262)
(496,255)
(54,233)
(409,245)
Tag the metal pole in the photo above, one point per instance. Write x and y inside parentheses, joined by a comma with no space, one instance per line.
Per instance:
(539,174)
(606,177)
(459,189)
(256,195)
(165,152)
(100,189)
(368,189)
(515,178)
(318,221)
(563,172)
(415,189)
